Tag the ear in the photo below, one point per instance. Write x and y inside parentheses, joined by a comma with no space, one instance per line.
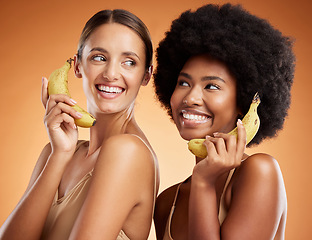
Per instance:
(147,76)
(77,67)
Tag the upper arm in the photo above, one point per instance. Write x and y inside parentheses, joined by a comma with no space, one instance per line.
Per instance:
(44,155)
(122,178)
(258,200)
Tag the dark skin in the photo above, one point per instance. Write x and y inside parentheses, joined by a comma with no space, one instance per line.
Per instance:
(255,197)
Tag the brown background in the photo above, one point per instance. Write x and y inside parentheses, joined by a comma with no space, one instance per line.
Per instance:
(38,36)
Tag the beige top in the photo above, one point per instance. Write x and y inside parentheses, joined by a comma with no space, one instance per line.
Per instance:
(222,209)
(64,211)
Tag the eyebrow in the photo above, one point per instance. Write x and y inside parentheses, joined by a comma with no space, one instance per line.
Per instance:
(128,53)
(205,78)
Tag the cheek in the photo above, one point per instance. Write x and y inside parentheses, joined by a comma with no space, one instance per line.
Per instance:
(134,83)
(174,100)
(133,77)
(224,101)
(226,109)
(89,72)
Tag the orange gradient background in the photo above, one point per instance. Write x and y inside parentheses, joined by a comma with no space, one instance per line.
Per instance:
(38,36)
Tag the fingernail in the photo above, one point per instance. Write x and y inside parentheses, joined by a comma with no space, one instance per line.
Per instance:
(240,121)
(215,134)
(73,101)
(74,127)
(78,114)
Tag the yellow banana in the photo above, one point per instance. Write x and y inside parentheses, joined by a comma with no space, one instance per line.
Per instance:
(58,84)
(251,122)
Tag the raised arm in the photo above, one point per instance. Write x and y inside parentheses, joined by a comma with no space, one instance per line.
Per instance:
(28,218)
(224,154)
(121,193)
(255,198)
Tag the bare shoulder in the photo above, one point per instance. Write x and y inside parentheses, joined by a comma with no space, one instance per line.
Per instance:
(41,162)
(128,147)
(259,175)
(259,165)
(128,156)
(256,199)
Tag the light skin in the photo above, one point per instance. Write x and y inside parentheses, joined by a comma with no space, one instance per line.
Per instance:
(204,106)
(121,194)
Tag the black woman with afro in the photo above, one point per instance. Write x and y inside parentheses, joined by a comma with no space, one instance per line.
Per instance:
(210,64)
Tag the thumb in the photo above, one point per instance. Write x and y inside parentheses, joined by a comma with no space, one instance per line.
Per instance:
(44,91)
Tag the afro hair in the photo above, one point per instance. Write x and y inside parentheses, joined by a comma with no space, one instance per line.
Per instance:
(258,55)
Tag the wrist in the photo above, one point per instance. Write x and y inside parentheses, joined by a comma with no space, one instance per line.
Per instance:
(61,156)
(202,182)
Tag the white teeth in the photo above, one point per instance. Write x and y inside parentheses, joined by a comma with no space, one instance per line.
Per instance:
(109,89)
(194,117)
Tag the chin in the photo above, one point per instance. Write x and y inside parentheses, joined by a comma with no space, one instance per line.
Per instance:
(189,136)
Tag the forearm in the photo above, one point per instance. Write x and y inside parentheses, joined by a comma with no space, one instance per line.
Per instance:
(28,218)
(203,211)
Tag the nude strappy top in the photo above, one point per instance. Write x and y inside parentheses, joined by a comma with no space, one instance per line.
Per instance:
(222,209)
(64,211)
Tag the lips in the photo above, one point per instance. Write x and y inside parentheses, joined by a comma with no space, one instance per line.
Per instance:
(194,115)
(109,89)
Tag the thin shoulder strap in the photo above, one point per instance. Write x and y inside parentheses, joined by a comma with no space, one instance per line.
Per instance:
(178,190)
(222,211)
(167,235)
(176,194)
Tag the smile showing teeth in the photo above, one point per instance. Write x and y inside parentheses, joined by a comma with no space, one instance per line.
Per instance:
(109,89)
(194,117)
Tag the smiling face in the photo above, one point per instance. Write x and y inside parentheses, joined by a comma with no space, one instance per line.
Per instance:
(204,100)
(113,68)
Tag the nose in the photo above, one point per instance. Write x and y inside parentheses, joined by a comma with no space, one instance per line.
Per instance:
(194,97)
(111,71)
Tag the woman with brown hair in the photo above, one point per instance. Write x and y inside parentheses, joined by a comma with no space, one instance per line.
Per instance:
(103,188)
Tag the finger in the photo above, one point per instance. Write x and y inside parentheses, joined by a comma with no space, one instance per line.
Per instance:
(229,140)
(219,144)
(44,91)
(64,108)
(211,147)
(241,139)
(69,121)
(57,121)
(54,99)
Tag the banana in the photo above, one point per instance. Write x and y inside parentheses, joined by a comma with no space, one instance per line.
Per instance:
(251,122)
(58,84)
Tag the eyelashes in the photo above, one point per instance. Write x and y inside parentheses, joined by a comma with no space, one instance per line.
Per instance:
(101,58)
(98,58)
(210,86)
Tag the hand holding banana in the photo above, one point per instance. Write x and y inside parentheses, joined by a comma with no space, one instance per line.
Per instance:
(250,121)
(58,84)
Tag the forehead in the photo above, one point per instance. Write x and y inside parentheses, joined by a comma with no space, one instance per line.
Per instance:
(204,65)
(117,37)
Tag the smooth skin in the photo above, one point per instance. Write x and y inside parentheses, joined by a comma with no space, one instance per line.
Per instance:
(255,197)
(122,192)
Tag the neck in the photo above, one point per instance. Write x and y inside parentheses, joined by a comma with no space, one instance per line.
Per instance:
(108,125)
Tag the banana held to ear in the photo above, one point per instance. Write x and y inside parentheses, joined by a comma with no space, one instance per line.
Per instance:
(251,122)
(58,84)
